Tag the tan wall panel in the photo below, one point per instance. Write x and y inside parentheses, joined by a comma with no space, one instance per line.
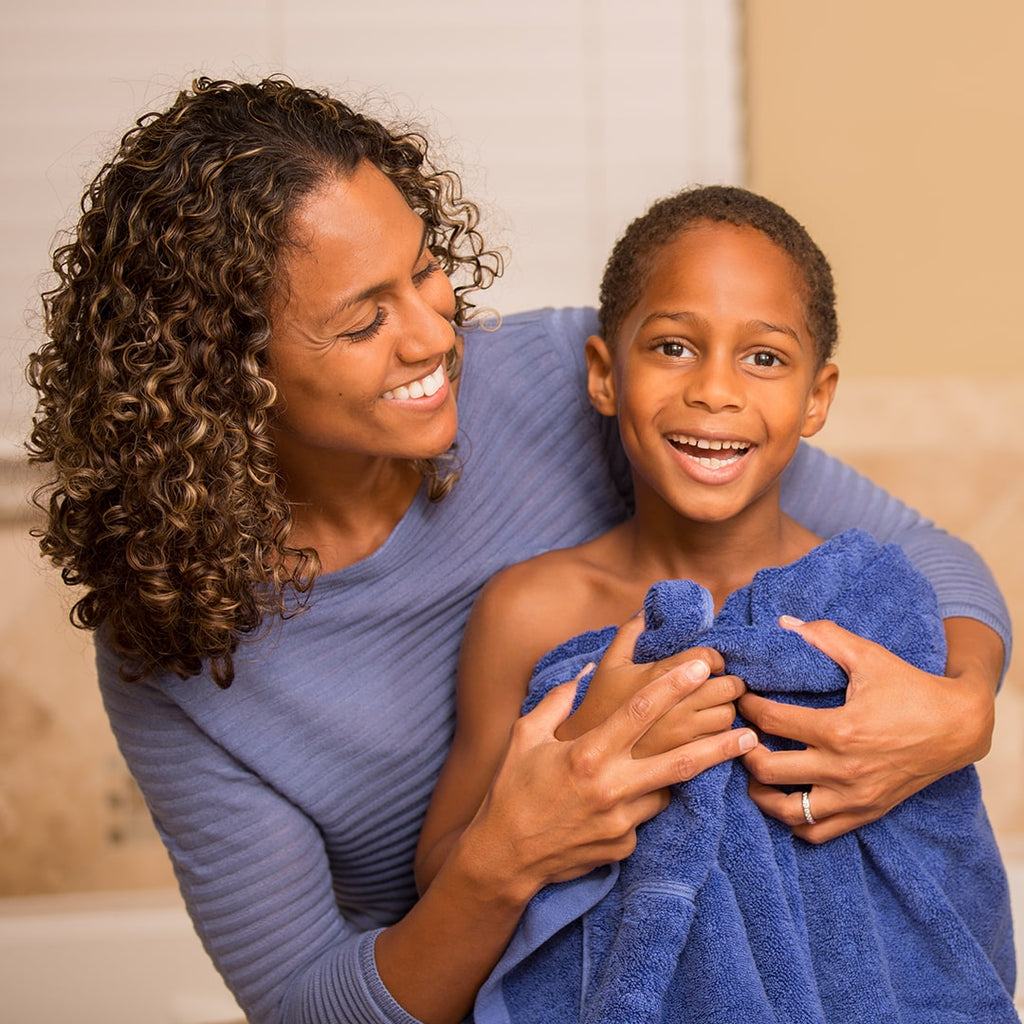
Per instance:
(895,131)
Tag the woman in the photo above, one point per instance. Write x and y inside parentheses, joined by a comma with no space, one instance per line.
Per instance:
(248,399)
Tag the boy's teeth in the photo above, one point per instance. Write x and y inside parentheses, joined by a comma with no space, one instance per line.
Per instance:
(731,450)
(716,463)
(703,442)
(424,387)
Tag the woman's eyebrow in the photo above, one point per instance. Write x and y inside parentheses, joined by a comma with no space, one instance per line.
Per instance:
(345,301)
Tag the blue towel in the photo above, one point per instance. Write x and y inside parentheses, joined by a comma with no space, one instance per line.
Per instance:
(722,915)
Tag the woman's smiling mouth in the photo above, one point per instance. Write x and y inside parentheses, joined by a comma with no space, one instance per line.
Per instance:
(425,387)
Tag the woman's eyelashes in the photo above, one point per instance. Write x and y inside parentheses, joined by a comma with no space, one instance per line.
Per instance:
(370,330)
(431,268)
(373,328)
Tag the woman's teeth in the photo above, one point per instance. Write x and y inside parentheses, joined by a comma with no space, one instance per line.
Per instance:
(691,445)
(422,388)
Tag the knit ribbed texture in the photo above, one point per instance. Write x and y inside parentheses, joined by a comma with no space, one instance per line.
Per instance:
(291,802)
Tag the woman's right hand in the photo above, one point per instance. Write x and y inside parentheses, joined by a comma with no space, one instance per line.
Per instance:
(561,805)
(518,805)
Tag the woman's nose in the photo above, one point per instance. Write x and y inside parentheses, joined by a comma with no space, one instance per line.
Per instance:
(427,331)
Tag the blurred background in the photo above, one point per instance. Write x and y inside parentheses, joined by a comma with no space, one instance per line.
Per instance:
(895,132)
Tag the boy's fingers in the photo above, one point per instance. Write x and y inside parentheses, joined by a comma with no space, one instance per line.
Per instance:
(632,719)
(554,707)
(688,761)
(620,650)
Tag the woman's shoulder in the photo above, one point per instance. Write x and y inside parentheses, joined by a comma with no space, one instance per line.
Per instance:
(556,335)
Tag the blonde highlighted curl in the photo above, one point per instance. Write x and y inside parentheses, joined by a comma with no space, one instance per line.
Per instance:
(153,410)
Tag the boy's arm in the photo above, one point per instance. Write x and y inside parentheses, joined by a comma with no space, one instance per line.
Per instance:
(552,808)
(494,671)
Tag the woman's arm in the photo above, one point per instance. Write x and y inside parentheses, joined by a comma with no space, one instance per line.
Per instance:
(900,728)
(828,497)
(256,878)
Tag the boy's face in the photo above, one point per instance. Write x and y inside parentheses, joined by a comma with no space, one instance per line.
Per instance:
(713,375)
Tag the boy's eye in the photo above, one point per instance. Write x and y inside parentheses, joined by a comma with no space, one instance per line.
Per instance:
(673,349)
(763,359)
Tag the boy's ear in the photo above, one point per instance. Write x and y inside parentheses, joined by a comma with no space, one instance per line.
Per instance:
(819,401)
(600,380)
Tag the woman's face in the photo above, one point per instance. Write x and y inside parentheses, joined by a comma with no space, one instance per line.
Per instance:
(360,329)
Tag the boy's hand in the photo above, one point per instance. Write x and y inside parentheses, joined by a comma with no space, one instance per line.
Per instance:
(708,706)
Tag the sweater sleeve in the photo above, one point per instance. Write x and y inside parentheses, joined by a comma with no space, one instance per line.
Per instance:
(252,869)
(828,497)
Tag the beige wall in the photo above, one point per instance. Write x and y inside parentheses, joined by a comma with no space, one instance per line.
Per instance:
(895,132)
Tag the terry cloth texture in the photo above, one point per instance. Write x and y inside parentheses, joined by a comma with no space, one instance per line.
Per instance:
(721,914)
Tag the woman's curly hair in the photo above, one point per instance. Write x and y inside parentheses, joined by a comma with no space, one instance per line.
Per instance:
(632,260)
(153,409)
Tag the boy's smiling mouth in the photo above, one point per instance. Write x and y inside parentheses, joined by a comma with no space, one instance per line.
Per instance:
(700,449)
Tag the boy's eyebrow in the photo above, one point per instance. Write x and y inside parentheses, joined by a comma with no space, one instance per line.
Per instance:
(693,318)
(781,328)
(345,301)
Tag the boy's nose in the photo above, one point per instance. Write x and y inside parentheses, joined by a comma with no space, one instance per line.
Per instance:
(714,384)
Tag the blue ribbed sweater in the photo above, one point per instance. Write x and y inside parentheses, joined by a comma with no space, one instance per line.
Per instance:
(291,803)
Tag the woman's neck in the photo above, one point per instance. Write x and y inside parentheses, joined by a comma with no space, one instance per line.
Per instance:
(345,507)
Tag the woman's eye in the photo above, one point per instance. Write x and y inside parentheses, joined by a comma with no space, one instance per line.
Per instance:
(367,332)
(421,275)
(763,359)
(673,349)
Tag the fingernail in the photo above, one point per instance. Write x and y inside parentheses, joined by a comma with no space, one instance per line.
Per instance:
(790,621)
(696,671)
(747,742)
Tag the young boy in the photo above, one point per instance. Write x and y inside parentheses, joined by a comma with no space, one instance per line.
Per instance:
(718,325)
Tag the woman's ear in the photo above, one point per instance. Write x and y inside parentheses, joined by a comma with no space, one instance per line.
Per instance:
(819,401)
(600,380)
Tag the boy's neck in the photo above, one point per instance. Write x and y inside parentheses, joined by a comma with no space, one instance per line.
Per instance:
(721,556)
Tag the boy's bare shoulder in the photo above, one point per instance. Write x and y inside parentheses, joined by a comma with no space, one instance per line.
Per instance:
(549,598)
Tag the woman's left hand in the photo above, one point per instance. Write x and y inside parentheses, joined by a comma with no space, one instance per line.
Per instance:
(899,730)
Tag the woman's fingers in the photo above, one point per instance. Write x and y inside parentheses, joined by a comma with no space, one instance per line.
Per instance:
(896,732)
(830,818)
(789,721)
(690,759)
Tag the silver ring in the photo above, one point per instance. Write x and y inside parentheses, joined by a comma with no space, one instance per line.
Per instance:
(805,800)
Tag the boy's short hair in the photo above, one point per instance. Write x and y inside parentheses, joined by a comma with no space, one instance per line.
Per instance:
(632,259)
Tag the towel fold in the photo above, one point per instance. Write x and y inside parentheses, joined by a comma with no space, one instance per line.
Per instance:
(722,915)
